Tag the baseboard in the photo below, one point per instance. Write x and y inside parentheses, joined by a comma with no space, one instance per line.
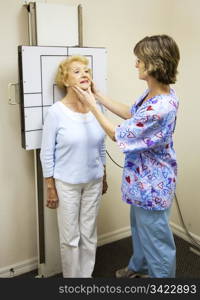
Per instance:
(113,236)
(179,231)
(19,268)
(32,264)
(126,232)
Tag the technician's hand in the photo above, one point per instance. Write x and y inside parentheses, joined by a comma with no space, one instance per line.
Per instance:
(94,89)
(52,197)
(85,96)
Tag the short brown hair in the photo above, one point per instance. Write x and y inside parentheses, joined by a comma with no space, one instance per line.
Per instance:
(160,55)
(63,68)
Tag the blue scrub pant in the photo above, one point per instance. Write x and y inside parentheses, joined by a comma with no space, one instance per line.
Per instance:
(153,243)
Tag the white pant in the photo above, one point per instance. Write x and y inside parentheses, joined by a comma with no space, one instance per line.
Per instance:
(77,213)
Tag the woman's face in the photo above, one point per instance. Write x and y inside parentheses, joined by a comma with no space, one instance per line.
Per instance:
(142,73)
(79,75)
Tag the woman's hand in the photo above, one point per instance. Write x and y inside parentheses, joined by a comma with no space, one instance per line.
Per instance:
(85,96)
(52,197)
(105,186)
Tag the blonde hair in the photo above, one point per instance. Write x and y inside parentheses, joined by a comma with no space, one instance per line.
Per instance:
(63,69)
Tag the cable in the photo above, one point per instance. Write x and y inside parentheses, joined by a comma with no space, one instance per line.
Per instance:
(113,160)
(194,242)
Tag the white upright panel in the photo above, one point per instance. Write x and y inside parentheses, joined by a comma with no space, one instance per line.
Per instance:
(39,67)
(57,24)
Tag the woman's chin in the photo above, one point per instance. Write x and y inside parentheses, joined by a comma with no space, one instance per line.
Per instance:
(84,87)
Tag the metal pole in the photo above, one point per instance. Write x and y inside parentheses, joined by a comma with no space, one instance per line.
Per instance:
(80,25)
(31,7)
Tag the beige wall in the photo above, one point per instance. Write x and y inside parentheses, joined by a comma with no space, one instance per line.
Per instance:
(116,25)
(17,207)
(185,27)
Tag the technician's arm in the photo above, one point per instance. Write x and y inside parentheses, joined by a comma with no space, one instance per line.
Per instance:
(89,98)
(107,126)
(120,109)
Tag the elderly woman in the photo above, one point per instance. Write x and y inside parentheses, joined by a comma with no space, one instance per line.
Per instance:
(150,169)
(73,162)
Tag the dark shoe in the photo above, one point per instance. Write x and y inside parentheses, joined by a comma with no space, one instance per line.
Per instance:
(126,273)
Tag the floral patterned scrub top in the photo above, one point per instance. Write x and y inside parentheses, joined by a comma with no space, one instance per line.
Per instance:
(150,168)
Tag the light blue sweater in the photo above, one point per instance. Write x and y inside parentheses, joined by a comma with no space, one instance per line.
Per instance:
(73,148)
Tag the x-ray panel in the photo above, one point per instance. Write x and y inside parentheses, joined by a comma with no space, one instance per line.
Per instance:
(30,99)
(37,70)
(33,118)
(33,139)
(31,65)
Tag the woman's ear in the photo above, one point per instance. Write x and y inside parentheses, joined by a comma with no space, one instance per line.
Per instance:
(65,80)
(66,84)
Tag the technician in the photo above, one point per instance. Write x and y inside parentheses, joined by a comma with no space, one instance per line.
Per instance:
(150,168)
